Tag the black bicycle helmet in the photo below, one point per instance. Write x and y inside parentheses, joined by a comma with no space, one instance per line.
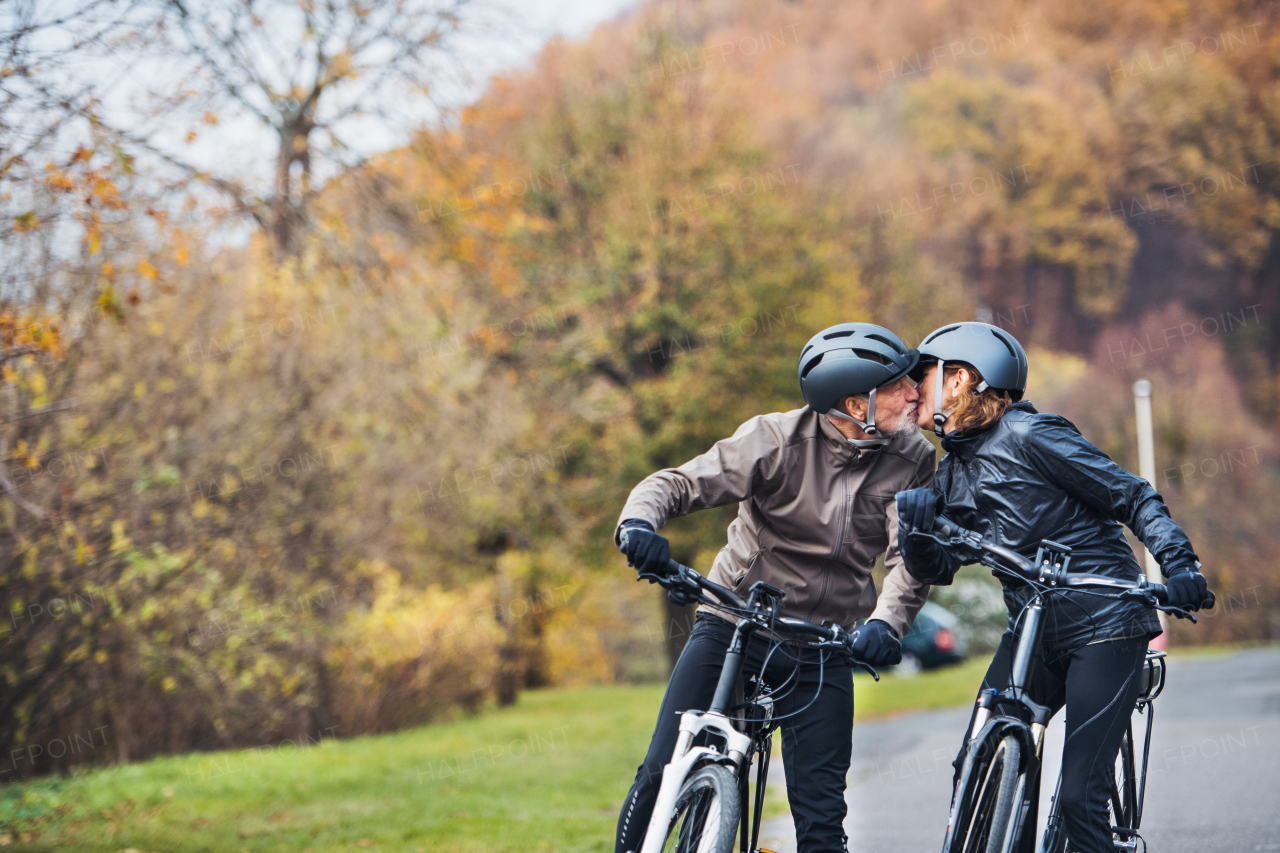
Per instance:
(852,358)
(989,349)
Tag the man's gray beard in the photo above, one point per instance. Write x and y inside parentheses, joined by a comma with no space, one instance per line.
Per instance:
(906,426)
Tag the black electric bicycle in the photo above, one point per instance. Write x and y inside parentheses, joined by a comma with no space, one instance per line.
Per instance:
(704,801)
(1003,753)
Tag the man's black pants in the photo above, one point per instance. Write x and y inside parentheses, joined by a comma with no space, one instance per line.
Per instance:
(817,743)
(1099,685)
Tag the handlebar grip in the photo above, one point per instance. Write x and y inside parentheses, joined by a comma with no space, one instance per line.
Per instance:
(1161,593)
(946,526)
(674,567)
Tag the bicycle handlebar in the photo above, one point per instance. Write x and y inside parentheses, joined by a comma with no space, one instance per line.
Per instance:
(1049,572)
(723,593)
(682,576)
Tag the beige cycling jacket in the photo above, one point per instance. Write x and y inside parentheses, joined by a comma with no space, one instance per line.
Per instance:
(814,513)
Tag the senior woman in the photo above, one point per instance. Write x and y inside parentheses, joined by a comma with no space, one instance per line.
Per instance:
(1017,476)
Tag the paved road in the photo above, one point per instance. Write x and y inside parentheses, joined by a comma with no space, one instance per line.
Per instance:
(1215,767)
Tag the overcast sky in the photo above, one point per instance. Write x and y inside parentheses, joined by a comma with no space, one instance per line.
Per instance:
(242,146)
(532,23)
(537,22)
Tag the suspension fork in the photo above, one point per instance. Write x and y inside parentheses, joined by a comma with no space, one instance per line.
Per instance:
(730,672)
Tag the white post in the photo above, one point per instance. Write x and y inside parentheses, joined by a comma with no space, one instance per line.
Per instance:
(1146,454)
(1147,468)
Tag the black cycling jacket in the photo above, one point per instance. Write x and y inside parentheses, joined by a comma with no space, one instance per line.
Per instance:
(1033,476)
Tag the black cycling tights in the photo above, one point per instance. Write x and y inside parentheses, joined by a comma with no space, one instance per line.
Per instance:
(1099,685)
(817,743)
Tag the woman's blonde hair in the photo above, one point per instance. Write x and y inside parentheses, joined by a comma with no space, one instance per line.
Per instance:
(974,410)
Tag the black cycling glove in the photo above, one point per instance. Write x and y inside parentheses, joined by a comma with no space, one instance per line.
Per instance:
(649,552)
(875,643)
(917,508)
(926,560)
(1187,587)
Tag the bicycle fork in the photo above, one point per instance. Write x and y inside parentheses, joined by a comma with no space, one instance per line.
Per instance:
(1026,660)
(686,757)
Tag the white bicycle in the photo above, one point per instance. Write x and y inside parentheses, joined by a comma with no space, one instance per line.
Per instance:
(704,802)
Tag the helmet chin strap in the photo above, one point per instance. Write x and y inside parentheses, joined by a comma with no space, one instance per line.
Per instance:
(869,426)
(940,418)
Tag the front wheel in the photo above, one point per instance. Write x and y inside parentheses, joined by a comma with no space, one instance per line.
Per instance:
(1006,794)
(706,813)
(984,813)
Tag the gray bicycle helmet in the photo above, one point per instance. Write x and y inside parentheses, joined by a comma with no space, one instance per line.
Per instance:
(852,358)
(990,350)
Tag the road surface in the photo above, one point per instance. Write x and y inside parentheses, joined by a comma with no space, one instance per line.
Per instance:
(1215,767)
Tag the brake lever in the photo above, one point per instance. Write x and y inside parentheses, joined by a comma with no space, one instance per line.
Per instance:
(670,580)
(844,650)
(651,577)
(927,535)
(1148,599)
(1177,611)
(956,543)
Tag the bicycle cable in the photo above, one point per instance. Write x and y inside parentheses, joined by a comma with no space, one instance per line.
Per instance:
(822,658)
(1044,591)
(778,693)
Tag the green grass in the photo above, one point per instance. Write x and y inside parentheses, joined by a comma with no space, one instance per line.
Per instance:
(547,774)
(941,688)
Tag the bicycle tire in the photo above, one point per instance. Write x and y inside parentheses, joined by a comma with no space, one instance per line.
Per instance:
(994,777)
(1006,796)
(706,813)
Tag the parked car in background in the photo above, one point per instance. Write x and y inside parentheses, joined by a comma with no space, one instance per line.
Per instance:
(935,640)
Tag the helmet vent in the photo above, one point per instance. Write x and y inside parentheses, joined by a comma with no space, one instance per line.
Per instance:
(834,335)
(1006,344)
(882,339)
(940,333)
(871,356)
(811,365)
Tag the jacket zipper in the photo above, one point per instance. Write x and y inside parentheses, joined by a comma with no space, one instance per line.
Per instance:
(835,552)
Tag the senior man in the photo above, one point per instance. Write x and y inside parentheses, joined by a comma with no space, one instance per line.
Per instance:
(815,491)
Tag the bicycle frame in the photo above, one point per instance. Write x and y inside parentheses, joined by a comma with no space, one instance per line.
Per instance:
(738,747)
(1029,719)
